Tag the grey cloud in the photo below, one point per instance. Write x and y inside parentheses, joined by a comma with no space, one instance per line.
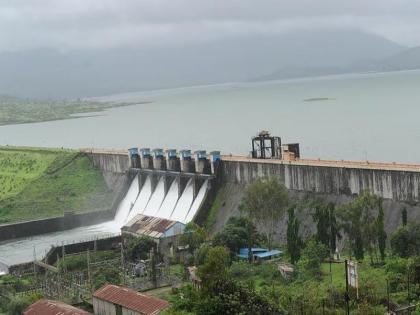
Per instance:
(81,24)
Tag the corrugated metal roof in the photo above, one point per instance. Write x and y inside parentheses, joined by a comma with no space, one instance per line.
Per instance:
(130,299)
(50,307)
(147,225)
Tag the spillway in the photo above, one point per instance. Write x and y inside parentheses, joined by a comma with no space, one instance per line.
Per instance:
(184,203)
(142,199)
(170,201)
(157,198)
(127,203)
(197,202)
(135,201)
(22,250)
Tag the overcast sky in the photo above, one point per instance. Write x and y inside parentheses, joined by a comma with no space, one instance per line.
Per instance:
(90,24)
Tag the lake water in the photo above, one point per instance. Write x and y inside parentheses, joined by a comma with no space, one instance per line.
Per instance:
(374,117)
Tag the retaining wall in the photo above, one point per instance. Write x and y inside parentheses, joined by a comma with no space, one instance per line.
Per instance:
(66,222)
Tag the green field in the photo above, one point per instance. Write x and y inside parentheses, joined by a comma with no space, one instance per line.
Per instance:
(39,183)
(18,111)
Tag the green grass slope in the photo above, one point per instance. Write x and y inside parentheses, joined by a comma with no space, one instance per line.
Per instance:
(38,183)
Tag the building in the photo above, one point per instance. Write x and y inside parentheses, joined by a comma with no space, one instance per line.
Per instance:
(153,227)
(259,253)
(165,232)
(51,307)
(116,300)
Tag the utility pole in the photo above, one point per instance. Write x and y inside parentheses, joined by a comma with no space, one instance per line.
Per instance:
(34,261)
(408,285)
(387,293)
(331,257)
(88,270)
(123,264)
(63,254)
(347,297)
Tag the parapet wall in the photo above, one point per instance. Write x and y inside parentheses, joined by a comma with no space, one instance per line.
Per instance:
(398,185)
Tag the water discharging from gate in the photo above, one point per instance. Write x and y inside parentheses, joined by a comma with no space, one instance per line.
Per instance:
(184,203)
(170,201)
(197,202)
(127,203)
(142,199)
(157,199)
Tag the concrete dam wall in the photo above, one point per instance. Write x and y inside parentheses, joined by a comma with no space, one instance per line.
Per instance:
(397,182)
(394,184)
(334,181)
(116,162)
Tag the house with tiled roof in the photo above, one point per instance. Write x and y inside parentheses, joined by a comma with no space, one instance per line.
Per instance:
(117,300)
(52,307)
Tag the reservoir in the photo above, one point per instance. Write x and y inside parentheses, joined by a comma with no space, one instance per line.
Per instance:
(354,117)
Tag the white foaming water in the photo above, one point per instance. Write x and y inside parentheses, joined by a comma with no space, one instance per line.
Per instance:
(127,203)
(142,199)
(184,203)
(169,203)
(197,202)
(156,199)
(21,250)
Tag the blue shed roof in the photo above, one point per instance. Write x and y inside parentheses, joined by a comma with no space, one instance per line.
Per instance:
(259,252)
(273,252)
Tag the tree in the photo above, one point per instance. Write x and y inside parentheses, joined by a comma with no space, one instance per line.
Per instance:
(405,241)
(239,232)
(193,236)
(313,255)
(265,202)
(230,297)
(215,266)
(362,221)
(334,230)
(294,243)
(327,230)
(404,216)
(380,230)
(139,247)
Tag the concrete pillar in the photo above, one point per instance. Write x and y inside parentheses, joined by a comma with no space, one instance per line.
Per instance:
(158,159)
(186,161)
(134,157)
(145,158)
(201,162)
(172,160)
(214,161)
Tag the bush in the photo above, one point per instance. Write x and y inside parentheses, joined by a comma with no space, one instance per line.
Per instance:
(405,241)
(312,256)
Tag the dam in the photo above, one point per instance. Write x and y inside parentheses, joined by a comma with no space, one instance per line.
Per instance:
(181,185)
(170,188)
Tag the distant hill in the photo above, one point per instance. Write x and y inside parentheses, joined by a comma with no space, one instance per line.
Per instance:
(73,74)
(407,59)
